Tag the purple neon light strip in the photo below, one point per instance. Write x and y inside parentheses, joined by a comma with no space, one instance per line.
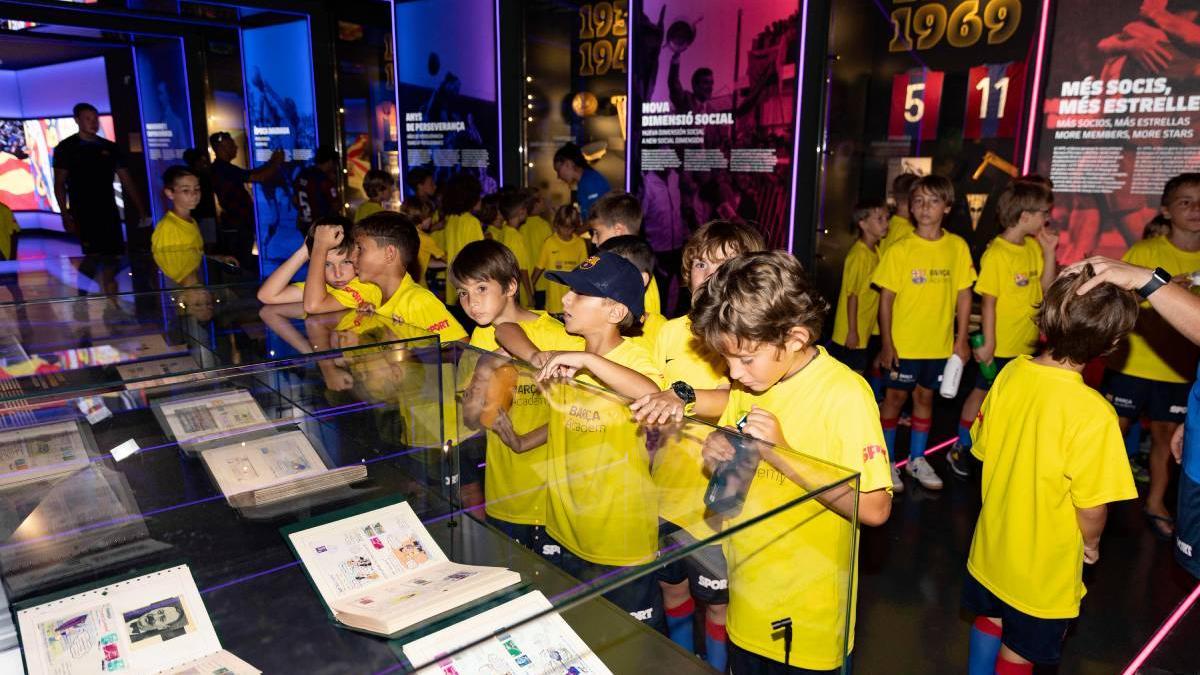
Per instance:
(630,22)
(1037,88)
(396,95)
(499,98)
(800,67)
(249,577)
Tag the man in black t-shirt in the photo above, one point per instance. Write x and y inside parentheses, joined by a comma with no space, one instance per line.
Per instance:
(84,164)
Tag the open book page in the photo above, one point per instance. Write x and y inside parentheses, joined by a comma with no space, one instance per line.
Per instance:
(30,453)
(221,663)
(258,463)
(195,418)
(156,368)
(423,594)
(145,624)
(543,646)
(365,550)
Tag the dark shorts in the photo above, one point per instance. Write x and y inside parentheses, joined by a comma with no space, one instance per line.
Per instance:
(985,384)
(1187,525)
(641,597)
(742,662)
(704,568)
(472,453)
(916,373)
(854,359)
(1034,639)
(532,537)
(1133,396)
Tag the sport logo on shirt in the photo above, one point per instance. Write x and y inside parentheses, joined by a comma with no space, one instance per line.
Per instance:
(918,276)
(1021,280)
(871,451)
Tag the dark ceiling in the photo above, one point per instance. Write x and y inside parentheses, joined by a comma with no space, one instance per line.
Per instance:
(18,52)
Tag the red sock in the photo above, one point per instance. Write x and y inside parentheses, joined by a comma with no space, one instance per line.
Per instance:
(684,609)
(1009,668)
(715,631)
(966,424)
(986,626)
(889,422)
(921,423)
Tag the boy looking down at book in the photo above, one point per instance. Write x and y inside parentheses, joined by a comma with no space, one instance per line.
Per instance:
(620,214)
(486,275)
(1053,457)
(602,505)
(385,253)
(762,316)
(340,289)
(1017,267)
(692,370)
(924,306)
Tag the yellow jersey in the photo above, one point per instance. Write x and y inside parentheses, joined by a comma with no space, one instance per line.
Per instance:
(1013,275)
(461,229)
(367,208)
(1172,357)
(827,412)
(355,293)
(559,256)
(678,469)
(515,484)
(515,241)
(899,227)
(429,250)
(1049,445)
(652,324)
(602,503)
(653,302)
(536,231)
(926,277)
(8,231)
(177,247)
(415,305)
(860,264)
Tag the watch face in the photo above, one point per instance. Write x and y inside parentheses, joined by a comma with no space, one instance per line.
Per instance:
(684,392)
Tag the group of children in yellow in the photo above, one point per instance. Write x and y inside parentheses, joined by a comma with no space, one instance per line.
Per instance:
(590,462)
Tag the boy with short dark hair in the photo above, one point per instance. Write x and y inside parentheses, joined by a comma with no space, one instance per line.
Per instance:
(1053,457)
(512,213)
(420,182)
(900,225)
(619,214)
(602,503)
(1152,372)
(378,186)
(1017,267)
(177,244)
(560,253)
(341,289)
(638,252)
(855,321)
(764,318)
(924,305)
(486,275)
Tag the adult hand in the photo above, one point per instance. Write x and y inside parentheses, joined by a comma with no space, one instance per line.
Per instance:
(1109,271)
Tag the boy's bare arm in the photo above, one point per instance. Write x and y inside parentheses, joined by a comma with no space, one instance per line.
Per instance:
(278,288)
(987,312)
(1091,525)
(962,316)
(512,339)
(537,274)
(887,354)
(852,322)
(625,381)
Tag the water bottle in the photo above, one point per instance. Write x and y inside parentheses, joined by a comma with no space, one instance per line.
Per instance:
(951,376)
(988,370)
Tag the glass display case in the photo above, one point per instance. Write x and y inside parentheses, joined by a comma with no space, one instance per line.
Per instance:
(53,277)
(294,514)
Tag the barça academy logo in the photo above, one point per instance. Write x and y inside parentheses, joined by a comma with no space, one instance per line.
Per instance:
(589,263)
(918,276)
(1021,280)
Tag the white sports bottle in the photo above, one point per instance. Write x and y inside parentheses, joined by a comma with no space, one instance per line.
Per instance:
(951,376)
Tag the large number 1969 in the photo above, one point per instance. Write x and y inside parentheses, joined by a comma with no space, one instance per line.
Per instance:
(962,27)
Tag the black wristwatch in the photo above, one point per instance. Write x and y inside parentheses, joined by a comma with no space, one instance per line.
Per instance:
(686,394)
(1158,278)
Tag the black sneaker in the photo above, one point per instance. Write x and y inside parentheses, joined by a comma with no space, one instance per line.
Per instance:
(960,461)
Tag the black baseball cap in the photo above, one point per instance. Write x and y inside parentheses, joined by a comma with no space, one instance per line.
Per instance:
(607,275)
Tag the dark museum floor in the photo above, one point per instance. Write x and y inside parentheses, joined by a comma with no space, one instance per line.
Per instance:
(911,572)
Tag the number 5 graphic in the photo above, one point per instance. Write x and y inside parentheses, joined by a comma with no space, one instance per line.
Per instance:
(914,108)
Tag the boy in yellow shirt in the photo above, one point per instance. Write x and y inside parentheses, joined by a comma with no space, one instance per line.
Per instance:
(560,253)
(430,256)
(924,305)
(638,252)
(462,196)
(385,251)
(1053,457)
(1017,267)
(512,213)
(900,225)
(617,214)
(342,289)
(791,394)
(692,370)
(855,321)
(602,504)
(1152,372)
(378,186)
(486,275)
(177,245)
(536,231)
